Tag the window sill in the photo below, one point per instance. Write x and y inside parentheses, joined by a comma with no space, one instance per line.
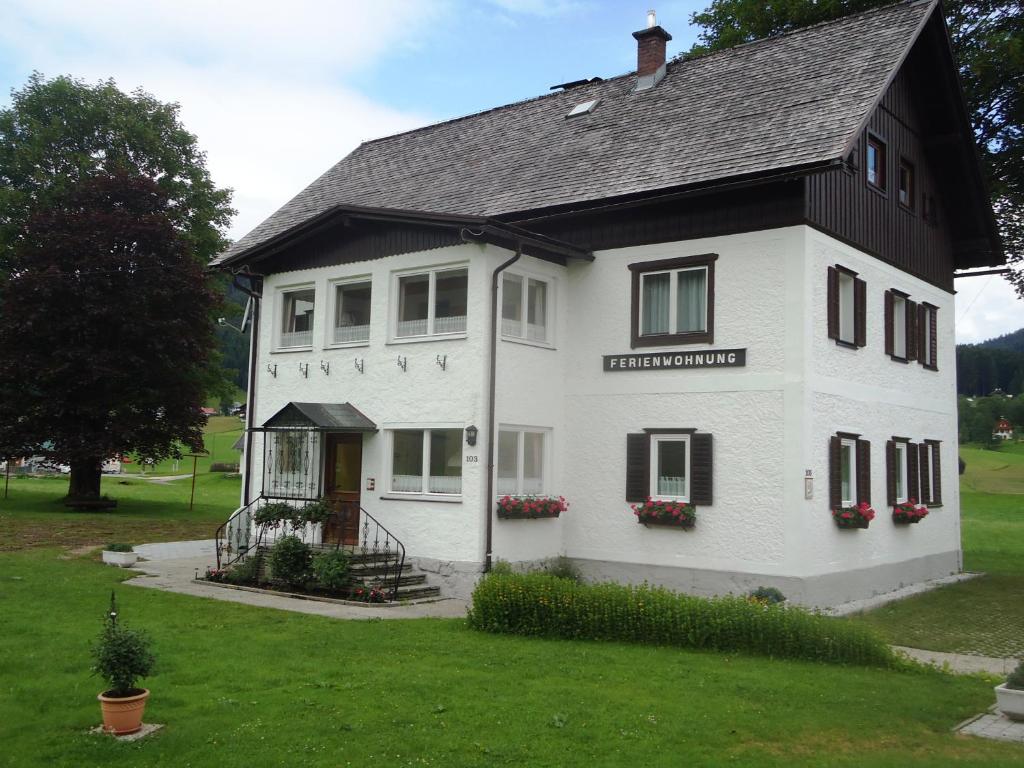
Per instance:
(423,339)
(847,344)
(673,339)
(443,498)
(347,345)
(897,359)
(528,342)
(285,350)
(928,367)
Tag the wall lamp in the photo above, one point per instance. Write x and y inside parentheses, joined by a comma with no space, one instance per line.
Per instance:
(471,433)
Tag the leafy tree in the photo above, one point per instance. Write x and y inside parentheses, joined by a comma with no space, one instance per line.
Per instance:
(988,44)
(106,339)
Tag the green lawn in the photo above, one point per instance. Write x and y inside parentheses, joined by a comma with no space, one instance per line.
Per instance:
(240,686)
(985,615)
(220,434)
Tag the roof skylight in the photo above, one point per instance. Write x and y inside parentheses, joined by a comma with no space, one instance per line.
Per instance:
(582,109)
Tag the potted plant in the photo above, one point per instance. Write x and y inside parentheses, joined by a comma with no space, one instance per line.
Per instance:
(854,517)
(1010,695)
(908,512)
(530,507)
(120,555)
(121,657)
(677,514)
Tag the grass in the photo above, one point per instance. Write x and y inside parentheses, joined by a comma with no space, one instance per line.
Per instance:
(147,511)
(220,434)
(985,615)
(241,686)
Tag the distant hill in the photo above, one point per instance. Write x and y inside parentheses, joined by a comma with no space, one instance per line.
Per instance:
(989,365)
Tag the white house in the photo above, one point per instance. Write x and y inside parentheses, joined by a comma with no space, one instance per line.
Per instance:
(726,281)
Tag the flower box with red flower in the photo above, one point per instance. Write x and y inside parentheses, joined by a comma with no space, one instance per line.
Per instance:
(673,514)
(854,517)
(908,512)
(530,507)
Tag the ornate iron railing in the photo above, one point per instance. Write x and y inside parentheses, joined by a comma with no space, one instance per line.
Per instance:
(377,554)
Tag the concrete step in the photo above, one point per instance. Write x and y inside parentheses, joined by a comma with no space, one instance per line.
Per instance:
(418,593)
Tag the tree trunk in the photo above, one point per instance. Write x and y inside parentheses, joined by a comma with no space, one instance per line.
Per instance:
(84,487)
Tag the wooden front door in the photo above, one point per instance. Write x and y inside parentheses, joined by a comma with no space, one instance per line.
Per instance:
(342,476)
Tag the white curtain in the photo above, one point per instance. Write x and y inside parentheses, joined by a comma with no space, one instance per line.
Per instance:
(656,290)
(691,301)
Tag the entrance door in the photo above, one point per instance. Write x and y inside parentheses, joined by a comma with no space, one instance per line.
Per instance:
(342,475)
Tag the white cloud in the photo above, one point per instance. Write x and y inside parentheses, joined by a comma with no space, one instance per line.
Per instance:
(986,307)
(261,84)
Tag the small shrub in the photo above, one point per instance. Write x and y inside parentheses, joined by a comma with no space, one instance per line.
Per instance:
(289,562)
(121,656)
(1016,679)
(246,571)
(330,569)
(542,605)
(501,567)
(118,547)
(273,514)
(219,466)
(316,513)
(769,595)
(561,567)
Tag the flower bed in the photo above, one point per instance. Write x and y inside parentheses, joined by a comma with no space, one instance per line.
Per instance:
(908,512)
(854,517)
(530,507)
(675,514)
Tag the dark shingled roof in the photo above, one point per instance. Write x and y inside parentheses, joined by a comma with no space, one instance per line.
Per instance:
(330,416)
(794,100)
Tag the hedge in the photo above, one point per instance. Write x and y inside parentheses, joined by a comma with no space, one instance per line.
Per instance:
(542,605)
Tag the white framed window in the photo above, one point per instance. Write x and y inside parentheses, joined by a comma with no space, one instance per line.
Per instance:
(426,461)
(352,300)
(670,467)
(847,307)
(296,327)
(848,472)
(525,308)
(522,456)
(674,301)
(900,474)
(899,326)
(927,327)
(431,303)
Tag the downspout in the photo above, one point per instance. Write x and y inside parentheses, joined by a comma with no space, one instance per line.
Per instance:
(255,292)
(491,426)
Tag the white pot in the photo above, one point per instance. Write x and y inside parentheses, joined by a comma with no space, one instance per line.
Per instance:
(1010,702)
(120,559)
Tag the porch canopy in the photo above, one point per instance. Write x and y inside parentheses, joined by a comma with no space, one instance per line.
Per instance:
(323,417)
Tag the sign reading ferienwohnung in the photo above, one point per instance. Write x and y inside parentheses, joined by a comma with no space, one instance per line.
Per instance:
(650,361)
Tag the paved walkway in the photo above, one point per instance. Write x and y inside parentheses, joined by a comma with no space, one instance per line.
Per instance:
(961,663)
(993,725)
(173,566)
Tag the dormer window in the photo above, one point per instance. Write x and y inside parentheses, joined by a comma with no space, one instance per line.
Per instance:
(874,163)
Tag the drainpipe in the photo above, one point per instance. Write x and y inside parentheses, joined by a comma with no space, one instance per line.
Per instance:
(491,426)
(255,292)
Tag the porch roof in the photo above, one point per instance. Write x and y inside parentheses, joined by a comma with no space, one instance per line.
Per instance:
(341,417)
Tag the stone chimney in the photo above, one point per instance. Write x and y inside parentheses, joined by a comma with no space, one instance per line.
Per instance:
(650,53)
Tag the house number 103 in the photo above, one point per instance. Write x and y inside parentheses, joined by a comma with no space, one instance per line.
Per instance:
(472,459)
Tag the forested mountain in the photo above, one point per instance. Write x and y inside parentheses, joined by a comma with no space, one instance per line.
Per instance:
(234,346)
(994,364)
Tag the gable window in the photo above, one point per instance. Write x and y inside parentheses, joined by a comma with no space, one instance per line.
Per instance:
(352,312)
(927,344)
(520,461)
(669,464)
(907,188)
(432,303)
(673,301)
(900,326)
(874,163)
(900,471)
(849,470)
(426,461)
(847,310)
(297,318)
(524,308)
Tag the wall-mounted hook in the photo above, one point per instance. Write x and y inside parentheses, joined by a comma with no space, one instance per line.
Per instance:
(403,362)
(272,369)
(304,369)
(359,364)
(325,367)
(442,362)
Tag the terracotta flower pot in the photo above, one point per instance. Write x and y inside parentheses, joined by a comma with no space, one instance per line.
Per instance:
(123,714)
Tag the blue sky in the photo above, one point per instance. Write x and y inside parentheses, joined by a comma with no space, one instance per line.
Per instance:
(278,92)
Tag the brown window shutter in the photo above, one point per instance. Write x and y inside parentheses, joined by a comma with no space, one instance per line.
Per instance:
(701,469)
(923,450)
(890,471)
(863,471)
(835,479)
(638,467)
(913,476)
(911,315)
(860,312)
(833,303)
(889,331)
(933,315)
(922,318)
(936,474)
